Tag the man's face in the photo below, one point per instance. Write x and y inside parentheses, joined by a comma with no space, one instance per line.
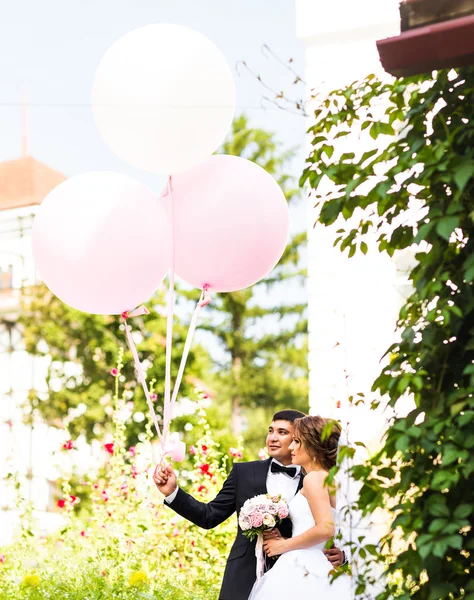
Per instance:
(279,438)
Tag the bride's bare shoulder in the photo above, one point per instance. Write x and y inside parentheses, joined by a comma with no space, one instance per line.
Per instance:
(315,480)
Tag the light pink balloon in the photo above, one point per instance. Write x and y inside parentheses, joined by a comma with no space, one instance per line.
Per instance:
(231,223)
(175,448)
(102,242)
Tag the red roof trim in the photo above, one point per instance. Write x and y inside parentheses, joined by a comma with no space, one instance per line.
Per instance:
(439,46)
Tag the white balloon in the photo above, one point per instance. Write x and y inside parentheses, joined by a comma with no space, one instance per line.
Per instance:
(163,98)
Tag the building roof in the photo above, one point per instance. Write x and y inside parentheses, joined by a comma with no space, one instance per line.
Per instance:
(25,182)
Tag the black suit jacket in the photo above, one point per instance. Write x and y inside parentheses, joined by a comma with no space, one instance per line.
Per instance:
(244,481)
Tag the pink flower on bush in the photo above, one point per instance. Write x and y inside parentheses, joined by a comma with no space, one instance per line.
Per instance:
(175,532)
(109,447)
(68,445)
(192,450)
(256,519)
(83,534)
(114,372)
(132,451)
(104,495)
(154,397)
(2,558)
(262,454)
(235,453)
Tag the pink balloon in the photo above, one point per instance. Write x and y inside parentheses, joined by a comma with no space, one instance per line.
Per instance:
(102,242)
(231,223)
(175,448)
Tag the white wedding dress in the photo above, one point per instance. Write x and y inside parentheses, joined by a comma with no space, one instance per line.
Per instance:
(301,574)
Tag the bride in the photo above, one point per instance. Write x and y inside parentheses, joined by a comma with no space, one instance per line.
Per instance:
(303,571)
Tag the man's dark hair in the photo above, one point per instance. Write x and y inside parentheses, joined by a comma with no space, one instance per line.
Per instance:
(288,415)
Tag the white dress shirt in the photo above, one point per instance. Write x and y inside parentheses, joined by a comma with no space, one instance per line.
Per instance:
(280,483)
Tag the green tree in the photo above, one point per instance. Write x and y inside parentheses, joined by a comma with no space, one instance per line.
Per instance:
(83,349)
(262,335)
(421,185)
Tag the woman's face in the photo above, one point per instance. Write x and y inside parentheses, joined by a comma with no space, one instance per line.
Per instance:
(299,456)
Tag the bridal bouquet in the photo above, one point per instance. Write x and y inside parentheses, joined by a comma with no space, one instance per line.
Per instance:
(258,514)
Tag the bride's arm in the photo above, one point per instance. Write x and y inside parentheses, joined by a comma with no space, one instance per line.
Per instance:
(317,495)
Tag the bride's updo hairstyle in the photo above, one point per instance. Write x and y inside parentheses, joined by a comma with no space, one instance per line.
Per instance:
(310,431)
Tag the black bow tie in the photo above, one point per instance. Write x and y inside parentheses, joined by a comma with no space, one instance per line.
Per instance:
(276,468)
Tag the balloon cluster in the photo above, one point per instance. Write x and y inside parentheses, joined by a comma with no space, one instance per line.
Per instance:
(163,99)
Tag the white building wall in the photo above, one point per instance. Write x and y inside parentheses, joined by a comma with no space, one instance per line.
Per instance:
(26,444)
(353,303)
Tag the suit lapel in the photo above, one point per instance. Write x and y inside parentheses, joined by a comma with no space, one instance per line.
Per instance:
(260,475)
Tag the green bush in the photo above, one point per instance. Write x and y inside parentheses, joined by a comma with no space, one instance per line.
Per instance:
(124,543)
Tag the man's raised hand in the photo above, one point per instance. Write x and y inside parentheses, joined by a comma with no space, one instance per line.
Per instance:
(165,479)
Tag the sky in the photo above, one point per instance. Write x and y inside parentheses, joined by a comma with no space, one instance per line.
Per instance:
(50,49)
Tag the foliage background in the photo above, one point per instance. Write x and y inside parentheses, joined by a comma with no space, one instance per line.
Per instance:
(118,540)
(413,190)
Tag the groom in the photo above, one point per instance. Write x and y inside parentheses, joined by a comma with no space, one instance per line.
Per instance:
(275,476)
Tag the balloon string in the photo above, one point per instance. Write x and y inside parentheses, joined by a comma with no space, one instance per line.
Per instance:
(169,330)
(202,302)
(142,310)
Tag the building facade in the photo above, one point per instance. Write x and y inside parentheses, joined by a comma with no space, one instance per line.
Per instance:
(353,303)
(26,443)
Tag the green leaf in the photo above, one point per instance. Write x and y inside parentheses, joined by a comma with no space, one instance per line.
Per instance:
(386,129)
(437,525)
(463,174)
(445,226)
(439,509)
(402,443)
(423,231)
(450,455)
(318,139)
(328,150)
(469,274)
(367,155)
(463,511)
(454,541)
(330,211)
